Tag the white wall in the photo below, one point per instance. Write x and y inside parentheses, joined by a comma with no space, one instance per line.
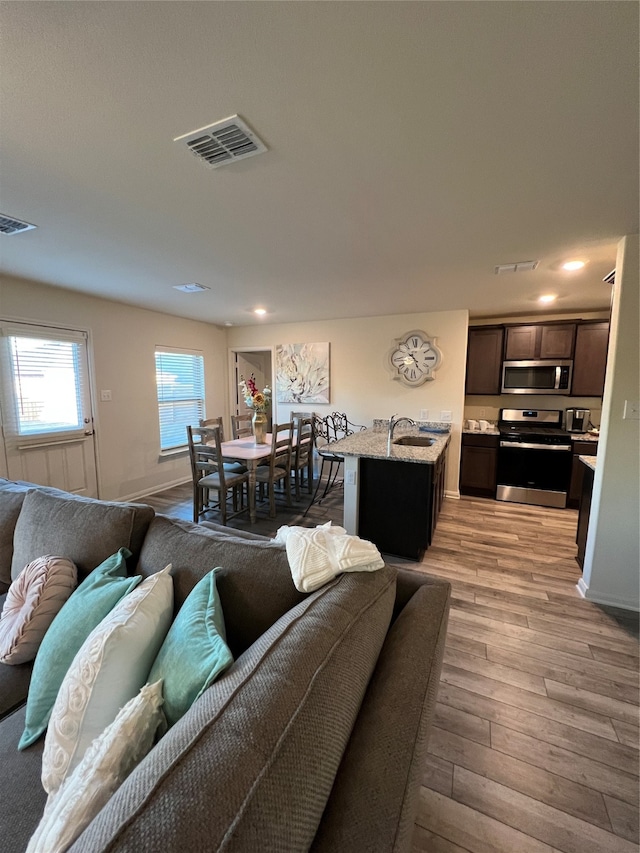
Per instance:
(612,560)
(361,383)
(123,341)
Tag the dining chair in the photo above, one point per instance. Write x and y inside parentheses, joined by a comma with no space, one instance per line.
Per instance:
(211,422)
(302,464)
(326,431)
(209,474)
(241,425)
(278,469)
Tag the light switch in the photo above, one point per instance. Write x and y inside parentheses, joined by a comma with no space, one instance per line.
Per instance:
(105,396)
(631,410)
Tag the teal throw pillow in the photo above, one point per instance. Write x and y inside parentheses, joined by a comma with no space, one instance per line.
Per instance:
(96,596)
(194,652)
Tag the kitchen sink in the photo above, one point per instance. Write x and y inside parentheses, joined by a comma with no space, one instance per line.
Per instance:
(414,440)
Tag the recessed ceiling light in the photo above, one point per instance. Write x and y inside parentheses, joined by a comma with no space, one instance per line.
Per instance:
(194,287)
(573,265)
(260,311)
(549,297)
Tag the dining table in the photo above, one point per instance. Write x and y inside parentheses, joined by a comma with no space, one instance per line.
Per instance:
(246,450)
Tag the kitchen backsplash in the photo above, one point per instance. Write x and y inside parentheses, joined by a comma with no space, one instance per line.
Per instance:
(488,408)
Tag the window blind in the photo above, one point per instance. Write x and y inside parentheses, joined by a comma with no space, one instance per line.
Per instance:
(47,380)
(180,383)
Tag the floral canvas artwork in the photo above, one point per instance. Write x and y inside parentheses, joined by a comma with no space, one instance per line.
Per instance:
(302,373)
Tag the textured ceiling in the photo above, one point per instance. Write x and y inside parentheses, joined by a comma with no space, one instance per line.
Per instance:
(412,147)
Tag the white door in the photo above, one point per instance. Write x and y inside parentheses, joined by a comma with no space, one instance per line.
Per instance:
(47,421)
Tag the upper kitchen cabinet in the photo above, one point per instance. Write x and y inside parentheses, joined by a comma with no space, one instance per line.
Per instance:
(554,340)
(484,359)
(590,360)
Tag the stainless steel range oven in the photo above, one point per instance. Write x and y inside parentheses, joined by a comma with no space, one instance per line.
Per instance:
(534,457)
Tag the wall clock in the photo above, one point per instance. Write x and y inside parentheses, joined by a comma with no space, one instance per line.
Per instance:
(414,358)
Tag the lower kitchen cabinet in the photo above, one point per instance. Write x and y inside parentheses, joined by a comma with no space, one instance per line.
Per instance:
(478,465)
(580,448)
(586,489)
(399,504)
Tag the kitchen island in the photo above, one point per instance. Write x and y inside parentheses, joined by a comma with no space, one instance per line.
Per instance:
(393,493)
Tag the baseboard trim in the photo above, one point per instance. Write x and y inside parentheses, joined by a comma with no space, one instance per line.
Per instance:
(455,495)
(163,487)
(606,600)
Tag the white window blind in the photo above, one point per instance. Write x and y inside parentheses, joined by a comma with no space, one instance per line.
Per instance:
(47,383)
(180,381)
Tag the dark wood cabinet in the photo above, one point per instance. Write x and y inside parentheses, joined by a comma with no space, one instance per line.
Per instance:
(478,465)
(399,504)
(522,342)
(484,360)
(584,513)
(557,341)
(580,448)
(553,340)
(590,360)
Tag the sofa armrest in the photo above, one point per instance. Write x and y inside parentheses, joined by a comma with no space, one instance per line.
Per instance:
(375,795)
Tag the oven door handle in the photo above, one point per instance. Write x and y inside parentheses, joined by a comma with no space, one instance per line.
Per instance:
(521,445)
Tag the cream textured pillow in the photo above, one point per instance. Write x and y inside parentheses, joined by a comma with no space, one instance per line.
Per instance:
(32,601)
(106,764)
(109,669)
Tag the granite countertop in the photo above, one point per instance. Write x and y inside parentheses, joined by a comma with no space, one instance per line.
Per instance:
(584,436)
(493,430)
(372,443)
(589,461)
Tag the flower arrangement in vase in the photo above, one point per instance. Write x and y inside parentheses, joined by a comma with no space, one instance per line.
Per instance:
(259,401)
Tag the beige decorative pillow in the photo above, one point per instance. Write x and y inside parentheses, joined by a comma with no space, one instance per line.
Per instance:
(109,669)
(106,764)
(32,601)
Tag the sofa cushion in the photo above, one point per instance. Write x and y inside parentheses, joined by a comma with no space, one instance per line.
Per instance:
(108,670)
(96,596)
(257,753)
(254,579)
(194,652)
(84,530)
(12,496)
(33,600)
(21,793)
(374,799)
(106,763)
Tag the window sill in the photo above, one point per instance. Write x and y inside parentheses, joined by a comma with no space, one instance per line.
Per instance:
(175,453)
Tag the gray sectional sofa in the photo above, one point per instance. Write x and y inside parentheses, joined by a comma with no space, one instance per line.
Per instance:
(314,739)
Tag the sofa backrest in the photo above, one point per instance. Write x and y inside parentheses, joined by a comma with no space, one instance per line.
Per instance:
(11,497)
(84,530)
(254,580)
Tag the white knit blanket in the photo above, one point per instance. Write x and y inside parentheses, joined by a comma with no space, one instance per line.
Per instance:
(318,554)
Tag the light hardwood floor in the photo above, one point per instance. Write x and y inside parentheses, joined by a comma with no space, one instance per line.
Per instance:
(534,747)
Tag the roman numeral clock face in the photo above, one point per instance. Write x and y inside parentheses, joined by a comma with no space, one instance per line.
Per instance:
(414,358)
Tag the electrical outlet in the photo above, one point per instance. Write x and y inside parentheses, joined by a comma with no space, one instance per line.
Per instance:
(351,478)
(445,416)
(424,414)
(105,396)
(631,410)
(482,413)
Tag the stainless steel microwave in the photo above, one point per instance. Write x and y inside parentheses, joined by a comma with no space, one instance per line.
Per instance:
(536,377)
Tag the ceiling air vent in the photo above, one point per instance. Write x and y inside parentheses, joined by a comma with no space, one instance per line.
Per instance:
(9,225)
(193,287)
(610,278)
(520,266)
(223,142)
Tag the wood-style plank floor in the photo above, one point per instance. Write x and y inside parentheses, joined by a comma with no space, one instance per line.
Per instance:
(534,747)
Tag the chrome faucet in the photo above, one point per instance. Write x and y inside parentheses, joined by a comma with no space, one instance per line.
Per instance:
(394,420)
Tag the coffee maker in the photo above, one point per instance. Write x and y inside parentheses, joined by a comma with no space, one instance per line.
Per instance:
(577,420)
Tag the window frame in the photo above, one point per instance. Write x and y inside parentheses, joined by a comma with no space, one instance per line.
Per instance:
(172,431)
